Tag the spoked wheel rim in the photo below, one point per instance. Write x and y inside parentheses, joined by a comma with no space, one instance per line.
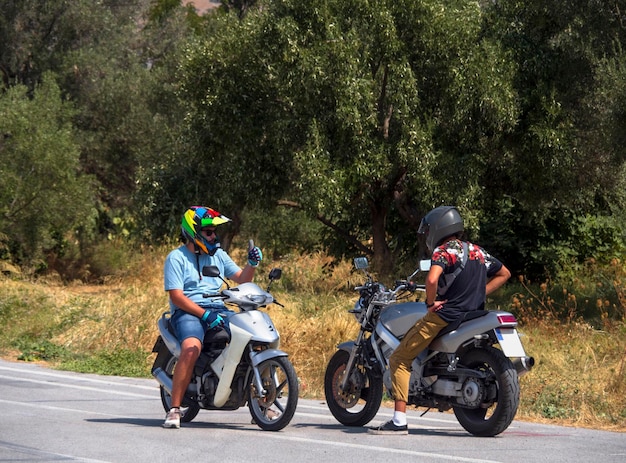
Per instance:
(274,409)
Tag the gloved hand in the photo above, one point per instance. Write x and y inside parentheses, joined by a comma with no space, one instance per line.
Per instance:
(255,256)
(214,319)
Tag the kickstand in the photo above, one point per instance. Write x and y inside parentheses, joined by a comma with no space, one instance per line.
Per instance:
(426,411)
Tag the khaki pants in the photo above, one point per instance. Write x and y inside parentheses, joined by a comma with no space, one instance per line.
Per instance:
(415,341)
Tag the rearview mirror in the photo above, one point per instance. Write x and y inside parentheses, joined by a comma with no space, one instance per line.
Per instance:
(361,263)
(210,271)
(425,265)
(275,273)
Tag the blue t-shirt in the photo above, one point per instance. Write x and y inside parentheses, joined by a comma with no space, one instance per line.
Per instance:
(183,271)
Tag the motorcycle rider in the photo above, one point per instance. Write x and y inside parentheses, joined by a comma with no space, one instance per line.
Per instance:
(191,314)
(480,275)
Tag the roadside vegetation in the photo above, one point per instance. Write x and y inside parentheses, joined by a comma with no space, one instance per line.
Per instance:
(576,331)
(324,129)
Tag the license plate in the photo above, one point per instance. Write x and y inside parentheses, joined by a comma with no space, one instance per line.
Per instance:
(509,342)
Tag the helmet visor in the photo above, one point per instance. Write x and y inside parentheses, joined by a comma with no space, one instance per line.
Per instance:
(424,227)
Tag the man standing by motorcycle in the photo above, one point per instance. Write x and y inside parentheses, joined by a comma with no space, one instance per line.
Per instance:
(191,314)
(460,277)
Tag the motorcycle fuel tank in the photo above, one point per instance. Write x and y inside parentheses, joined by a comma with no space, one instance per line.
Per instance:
(398,318)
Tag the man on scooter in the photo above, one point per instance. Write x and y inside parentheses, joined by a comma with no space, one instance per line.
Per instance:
(460,278)
(191,314)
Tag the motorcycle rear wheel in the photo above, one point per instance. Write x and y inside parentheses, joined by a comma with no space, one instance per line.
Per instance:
(275,410)
(189,410)
(492,420)
(359,403)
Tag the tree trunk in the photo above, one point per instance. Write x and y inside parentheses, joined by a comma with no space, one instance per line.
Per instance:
(382,261)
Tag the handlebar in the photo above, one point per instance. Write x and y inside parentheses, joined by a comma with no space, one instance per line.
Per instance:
(407,286)
(400,286)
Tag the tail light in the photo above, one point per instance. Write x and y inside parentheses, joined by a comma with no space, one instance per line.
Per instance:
(507,319)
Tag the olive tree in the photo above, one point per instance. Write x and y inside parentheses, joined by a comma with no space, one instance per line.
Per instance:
(562,168)
(43,195)
(353,111)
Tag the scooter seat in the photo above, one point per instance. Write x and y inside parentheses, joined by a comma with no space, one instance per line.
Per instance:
(219,336)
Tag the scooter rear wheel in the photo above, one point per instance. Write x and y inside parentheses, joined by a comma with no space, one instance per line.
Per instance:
(188,409)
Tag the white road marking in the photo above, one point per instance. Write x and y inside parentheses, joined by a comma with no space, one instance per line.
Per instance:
(44,454)
(386,450)
(84,388)
(285,437)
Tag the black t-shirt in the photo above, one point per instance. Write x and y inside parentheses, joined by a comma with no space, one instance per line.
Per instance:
(468,292)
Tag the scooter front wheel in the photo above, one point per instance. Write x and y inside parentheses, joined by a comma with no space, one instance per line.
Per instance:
(274,409)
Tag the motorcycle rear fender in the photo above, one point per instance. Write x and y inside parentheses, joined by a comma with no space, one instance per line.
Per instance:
(158,344)
(452,341)
(259,357)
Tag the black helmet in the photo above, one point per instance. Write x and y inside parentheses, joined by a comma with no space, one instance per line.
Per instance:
(438,224)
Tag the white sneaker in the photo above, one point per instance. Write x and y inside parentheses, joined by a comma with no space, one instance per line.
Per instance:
(172,419)
(270,414)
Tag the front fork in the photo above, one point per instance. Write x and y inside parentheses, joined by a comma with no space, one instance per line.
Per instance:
(258,382)
(256,359)
(355,352)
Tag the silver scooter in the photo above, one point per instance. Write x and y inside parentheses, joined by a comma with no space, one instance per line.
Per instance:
(238,365)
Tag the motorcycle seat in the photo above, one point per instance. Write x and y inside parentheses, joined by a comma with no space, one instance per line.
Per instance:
(471,315)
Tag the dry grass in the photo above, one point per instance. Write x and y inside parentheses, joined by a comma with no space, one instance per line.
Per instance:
(579,378)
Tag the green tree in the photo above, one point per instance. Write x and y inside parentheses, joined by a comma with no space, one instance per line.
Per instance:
(356,108)
(115,60)
(565,160)
(43,195)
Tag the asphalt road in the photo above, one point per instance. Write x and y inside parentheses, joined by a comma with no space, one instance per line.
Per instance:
(54,416)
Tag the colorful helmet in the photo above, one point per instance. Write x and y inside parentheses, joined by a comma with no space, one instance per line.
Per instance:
(440,223)
(194,220)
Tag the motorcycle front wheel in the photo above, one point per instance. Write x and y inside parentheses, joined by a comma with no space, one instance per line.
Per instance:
(274,410)
(189,410)
(358,403)
(501,397)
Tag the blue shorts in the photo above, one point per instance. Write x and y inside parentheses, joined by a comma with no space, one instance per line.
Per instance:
(187,325)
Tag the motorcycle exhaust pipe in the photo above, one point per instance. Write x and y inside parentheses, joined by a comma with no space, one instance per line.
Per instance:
(523,365)
(163,379)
